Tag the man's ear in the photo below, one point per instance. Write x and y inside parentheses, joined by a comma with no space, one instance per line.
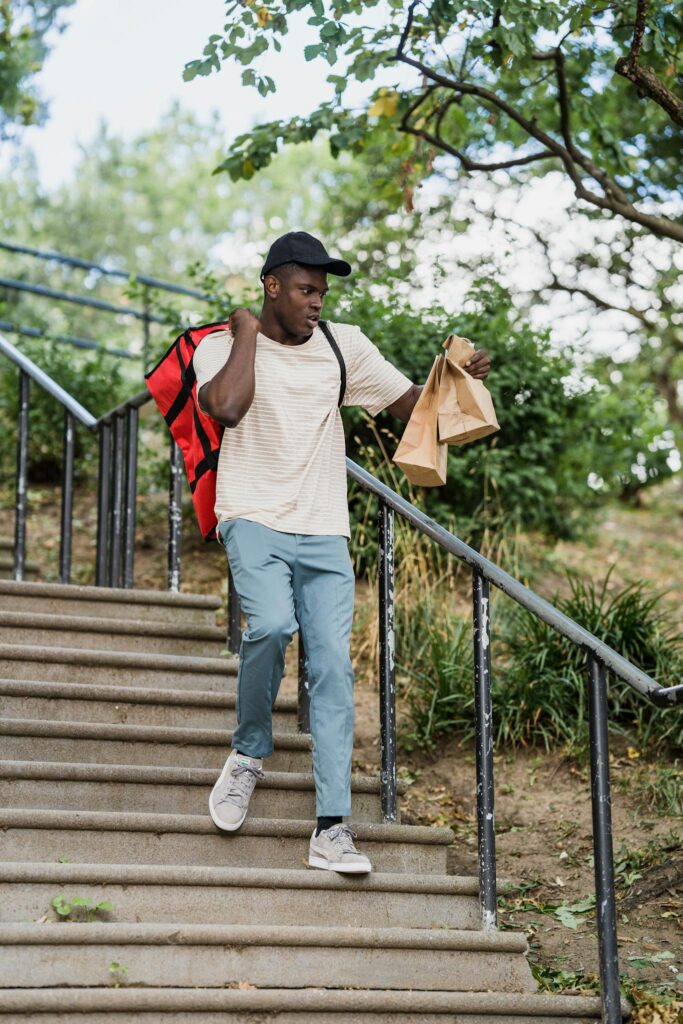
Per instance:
(272,286)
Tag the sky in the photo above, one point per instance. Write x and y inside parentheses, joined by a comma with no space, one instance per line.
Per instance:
(123,62)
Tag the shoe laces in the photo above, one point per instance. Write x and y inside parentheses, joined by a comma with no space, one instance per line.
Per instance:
(343,836)
(243,780)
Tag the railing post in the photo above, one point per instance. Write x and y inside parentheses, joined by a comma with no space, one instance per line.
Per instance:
(175,515)
(117,505)
(21,500)
(131,496)
(387,651)
(486,826)
(67,498)
(303,697)
(234,631)
(602,843)
(103,484)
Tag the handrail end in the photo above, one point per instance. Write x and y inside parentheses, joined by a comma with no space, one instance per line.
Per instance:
(667,697)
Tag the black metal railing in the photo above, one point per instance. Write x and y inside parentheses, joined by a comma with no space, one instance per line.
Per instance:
(117,493)
(41,291)
(599,658)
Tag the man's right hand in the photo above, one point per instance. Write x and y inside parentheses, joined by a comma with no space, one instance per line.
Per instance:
(243,321)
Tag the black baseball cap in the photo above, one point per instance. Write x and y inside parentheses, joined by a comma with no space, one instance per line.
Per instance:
(300,247)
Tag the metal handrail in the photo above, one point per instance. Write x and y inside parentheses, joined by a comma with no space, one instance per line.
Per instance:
(46,382)
(67,339)
(74,261)
(141,398)
(538,606)
(78,300)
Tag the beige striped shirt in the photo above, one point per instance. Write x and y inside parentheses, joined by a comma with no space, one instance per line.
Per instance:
(283,465)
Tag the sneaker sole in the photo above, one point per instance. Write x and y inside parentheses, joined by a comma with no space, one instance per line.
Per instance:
(214,817)
(347,869)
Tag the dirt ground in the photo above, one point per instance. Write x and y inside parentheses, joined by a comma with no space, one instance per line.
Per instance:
(543,809)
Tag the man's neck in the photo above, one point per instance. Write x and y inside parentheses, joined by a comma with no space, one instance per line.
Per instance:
(273,330)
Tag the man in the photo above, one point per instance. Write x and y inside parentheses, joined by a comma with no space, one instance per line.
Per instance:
(274,382)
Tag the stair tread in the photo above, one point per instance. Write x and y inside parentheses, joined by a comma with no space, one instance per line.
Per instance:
(189,875)
(159,774)
(311,999)
(429,835)
(140,733)
(95,624)
(102,933)
(129,694)
(125,659)
(108,594)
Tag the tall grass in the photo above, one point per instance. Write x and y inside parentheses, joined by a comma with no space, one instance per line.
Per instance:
(539,679)
(544,676)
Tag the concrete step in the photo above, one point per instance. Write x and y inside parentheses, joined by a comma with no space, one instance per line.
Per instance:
(281,956)
(97,633)
(194,895)
(291,1006)
(103,837)
(88,702)
(108,602)
(138,789)
(36,739)
(117,668)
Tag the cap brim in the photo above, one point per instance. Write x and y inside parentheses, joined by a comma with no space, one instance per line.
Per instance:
(338,267)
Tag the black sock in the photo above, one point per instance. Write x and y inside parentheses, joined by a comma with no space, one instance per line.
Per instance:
(327,823)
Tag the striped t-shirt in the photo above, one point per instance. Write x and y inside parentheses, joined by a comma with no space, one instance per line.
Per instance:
(283,465)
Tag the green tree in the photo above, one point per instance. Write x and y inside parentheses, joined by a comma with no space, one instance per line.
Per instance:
(586,88)
(25,27)
(594,273)
(566,444)
(150,205)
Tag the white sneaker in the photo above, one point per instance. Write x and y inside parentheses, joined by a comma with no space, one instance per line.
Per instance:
(229,800)
(334,850)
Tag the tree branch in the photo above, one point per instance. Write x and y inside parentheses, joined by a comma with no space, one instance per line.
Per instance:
(611,202)
(646,81)
(608,184)
(651,86)
(474,165)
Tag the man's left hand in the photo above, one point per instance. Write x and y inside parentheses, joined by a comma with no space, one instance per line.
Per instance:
(478,365)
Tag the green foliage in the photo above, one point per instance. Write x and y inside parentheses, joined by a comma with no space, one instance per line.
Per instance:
(118,972)
(79,907)
(513,85)
(95,380)
(24,29)
(655,788)
(539,679)
(629,863)
(434,654)
(565,446)
(544,676)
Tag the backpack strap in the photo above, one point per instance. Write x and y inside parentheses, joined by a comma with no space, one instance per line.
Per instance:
(325,328)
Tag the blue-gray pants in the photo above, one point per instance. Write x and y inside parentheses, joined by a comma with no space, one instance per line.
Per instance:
(285,579)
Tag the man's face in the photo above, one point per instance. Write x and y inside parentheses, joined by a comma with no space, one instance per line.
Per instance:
(298,299)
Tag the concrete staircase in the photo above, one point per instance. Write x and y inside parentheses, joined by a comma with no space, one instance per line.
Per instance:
(116,712)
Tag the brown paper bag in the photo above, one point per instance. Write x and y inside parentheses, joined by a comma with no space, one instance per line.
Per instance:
(419,454)
(465,406)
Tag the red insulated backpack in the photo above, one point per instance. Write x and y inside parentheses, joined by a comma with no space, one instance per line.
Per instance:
(173,386)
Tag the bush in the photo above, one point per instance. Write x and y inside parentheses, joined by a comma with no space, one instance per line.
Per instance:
(96,380)
(539,679)
(545,677)
(562,447)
